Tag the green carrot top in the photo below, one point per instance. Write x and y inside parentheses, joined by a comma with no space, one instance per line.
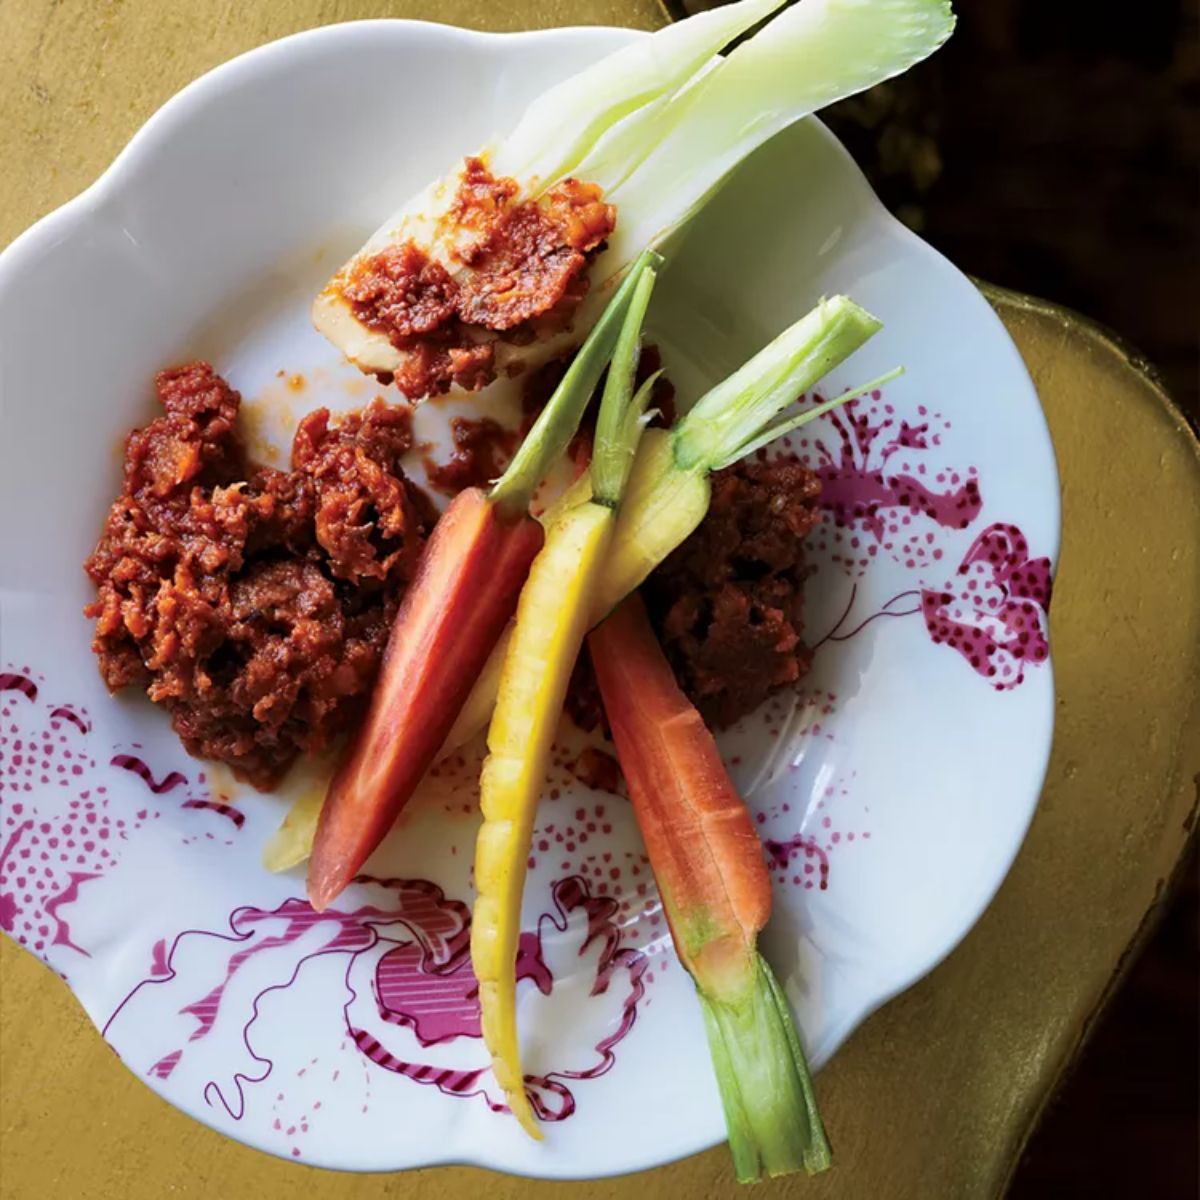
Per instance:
(558,421)
(622,415)
(737,416)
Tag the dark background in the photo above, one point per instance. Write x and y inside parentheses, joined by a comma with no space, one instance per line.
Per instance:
(1053,147)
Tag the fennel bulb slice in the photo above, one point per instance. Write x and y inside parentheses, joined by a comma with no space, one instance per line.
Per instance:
(652,129)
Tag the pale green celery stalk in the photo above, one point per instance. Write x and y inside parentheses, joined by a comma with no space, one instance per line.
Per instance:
(782,428)
(558,421)
(811,55)
(626,88)
(620,420)
(730,420)
(766,1090)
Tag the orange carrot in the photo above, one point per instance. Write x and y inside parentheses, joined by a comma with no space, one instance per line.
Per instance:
(440,640)
(464,593)
(716,893)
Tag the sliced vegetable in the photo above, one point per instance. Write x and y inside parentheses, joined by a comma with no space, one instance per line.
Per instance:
(655,126)
(291,843)
(464,593)
(716,892)
(552,618)
(812,54)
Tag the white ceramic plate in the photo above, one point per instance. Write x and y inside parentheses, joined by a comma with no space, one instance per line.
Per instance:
(895,790)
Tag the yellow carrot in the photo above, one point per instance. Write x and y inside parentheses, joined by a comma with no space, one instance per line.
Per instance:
(551,622)
(553,614)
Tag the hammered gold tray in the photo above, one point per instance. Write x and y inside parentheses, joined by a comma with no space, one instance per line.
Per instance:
(936,1094)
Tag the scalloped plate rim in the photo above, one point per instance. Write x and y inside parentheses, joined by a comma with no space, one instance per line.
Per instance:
(74,215)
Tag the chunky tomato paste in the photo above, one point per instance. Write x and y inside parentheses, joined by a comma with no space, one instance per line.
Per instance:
(482,449)
(519,271)
(728,603)
(254,603)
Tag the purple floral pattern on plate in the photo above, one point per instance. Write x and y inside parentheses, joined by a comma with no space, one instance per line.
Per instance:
(886,496)
(410,1000)
(409,1004)
(59,830)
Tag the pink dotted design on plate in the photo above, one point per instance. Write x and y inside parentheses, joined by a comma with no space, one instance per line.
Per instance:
(52,843)
(58,829)
(993,610)
(879,484)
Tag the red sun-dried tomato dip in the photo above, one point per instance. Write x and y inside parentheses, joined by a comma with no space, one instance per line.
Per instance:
(254,603)
(728,604)
(520,273)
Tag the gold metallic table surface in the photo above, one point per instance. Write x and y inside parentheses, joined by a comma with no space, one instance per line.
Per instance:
(934,1096)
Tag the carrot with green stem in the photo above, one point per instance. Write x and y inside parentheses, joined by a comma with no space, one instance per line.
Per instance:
(669,491)
(553,615)
(716,892)
(458,604)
